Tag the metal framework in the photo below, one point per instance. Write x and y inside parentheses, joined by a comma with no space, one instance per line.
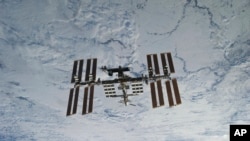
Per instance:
(155,76)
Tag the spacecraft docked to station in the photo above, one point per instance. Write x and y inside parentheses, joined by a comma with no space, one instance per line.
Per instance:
(129,86)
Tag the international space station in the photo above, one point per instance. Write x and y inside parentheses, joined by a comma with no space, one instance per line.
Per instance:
(129,86)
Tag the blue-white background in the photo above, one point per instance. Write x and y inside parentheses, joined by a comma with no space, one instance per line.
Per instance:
(40,39)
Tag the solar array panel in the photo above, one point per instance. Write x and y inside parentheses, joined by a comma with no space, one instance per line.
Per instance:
(88,90)
(77,71)
(176,91)
(160,94)
(169,93)
(153,95)
(88,100)
(170,62)
(154,71)
(85,100)
(70,102)
(157,70)
(73,100)
(150,69)
(87,70)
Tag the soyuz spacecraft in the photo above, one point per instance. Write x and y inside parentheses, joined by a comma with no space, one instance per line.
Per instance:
(129,86)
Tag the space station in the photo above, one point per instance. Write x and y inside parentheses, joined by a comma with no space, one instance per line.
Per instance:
(128,86)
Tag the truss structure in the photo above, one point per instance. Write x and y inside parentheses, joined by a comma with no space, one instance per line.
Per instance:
(130,86)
